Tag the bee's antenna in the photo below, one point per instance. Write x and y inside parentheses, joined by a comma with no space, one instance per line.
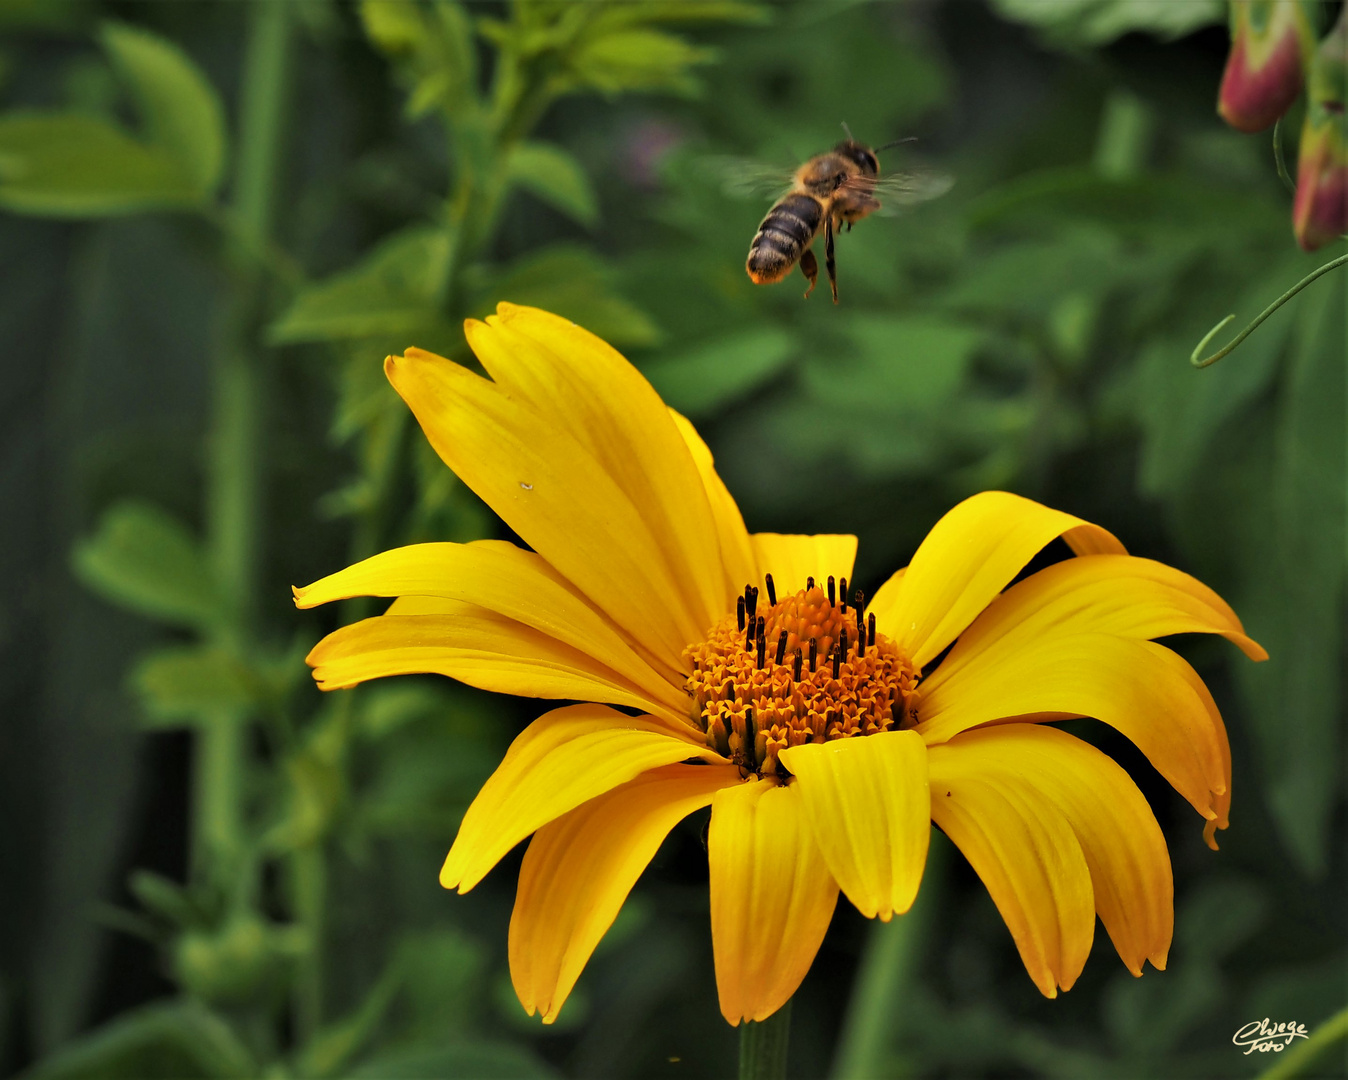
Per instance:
(896,142)
(847,129)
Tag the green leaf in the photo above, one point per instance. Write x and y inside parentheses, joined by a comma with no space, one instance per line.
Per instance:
(392,292)
(1181,410)
(462,1061)
(434,51)
(338,1043)
(573,282)
(671,11)
(191,683)
(554,176)
(898,365)
(179,108)
(713,375)
(157,1042)
(145,559)
(637,59)
(1097,22)
(1294,605)
(67,165)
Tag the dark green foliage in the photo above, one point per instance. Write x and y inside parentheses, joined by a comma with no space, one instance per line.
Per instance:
(211,869)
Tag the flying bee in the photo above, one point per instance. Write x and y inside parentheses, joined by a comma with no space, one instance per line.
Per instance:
(830,190)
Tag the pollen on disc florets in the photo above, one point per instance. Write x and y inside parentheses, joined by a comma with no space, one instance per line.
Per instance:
(807,668)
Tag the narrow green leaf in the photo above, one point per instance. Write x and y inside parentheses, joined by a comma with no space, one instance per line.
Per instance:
(68,165)
(334,1046)
(1295,602)
(721,371)
(394,27)
(145,559)
(157,1042)
(191,683)
(391,292)
(556,177)
(180,110)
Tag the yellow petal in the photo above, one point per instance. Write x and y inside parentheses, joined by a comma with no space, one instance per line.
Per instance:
(1030,860)
(772,897)
(580,384)
(557,496)
(1099,594)
(503,578)
(967,559)
(564,758)
(868,806)
(791,559)
(737,554)
(579,869)
(885,600)
(1123,846)
(483,649)
(1140,688)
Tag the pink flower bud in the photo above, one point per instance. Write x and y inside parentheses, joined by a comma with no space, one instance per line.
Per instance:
(1269,41)
(1320,212)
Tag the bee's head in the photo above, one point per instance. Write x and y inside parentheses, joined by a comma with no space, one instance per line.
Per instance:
(861,155)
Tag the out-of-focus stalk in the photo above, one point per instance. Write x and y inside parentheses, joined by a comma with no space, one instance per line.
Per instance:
(234,477)
(887,973)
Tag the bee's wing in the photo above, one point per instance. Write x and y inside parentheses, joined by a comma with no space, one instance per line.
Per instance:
(899,190)
(746,178)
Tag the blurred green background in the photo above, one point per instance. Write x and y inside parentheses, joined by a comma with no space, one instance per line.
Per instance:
(216,219)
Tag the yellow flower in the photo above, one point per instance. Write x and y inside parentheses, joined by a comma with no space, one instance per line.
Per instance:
(823,742)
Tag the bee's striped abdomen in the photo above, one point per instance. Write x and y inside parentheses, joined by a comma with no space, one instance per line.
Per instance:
(784,234)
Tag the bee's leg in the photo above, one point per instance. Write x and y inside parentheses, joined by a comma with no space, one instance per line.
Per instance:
(809,266)
(829,264)
(849,226)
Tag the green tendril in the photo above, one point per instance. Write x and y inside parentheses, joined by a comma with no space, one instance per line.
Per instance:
(1225,350)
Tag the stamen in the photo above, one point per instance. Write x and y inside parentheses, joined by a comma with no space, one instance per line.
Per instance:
(861,637)
(814,655)
(837,659)
(739,611)
(772,590)
(749,635)
(762,644)
(795,669)
(870,628)
(809,584)
(751,600)
(832,599)
(859,599)
(842,642)
(781,647)
(842,595)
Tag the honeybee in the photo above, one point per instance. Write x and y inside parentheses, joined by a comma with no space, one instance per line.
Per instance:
(830,190)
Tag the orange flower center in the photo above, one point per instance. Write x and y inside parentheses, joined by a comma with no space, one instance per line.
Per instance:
(807,668)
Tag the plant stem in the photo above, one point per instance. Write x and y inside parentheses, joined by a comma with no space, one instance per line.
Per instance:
(1303,1054)
(763,1045)
(234,470)
(885,979)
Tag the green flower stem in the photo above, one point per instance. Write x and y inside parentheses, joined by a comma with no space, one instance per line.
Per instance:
(887,975)
(234,480)
(1301,1055)
(763,1046)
